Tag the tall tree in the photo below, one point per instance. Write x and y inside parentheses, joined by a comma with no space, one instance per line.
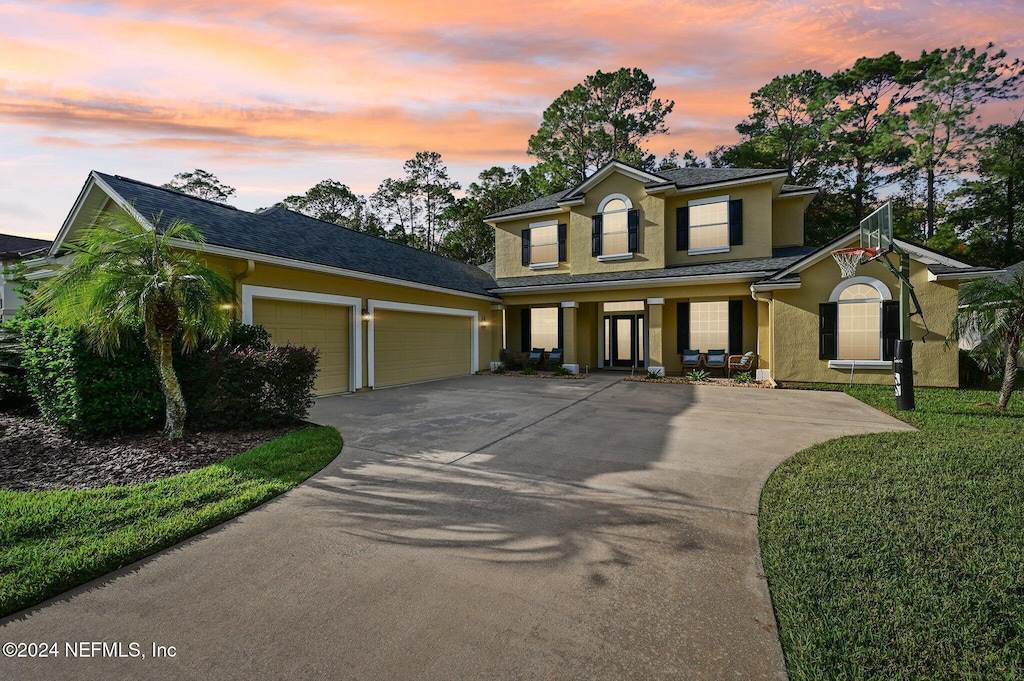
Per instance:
(606,117)
(785,129)
(942,124)
(414,204)
(123,277)
(203,184)
(863,130)
(327,200)
(991,207)
(469,238)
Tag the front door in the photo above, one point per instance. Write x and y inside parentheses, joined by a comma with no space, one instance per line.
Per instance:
(624,340)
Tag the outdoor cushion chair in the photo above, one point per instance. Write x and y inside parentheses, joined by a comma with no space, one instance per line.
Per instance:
(716,359)
(744,362)
(691,359)
(535,357)
(511,360)
(554,357)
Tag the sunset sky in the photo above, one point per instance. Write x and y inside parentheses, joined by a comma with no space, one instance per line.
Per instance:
(274,96)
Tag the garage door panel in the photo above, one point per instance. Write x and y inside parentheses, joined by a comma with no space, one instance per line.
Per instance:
(412,346)
(325,327)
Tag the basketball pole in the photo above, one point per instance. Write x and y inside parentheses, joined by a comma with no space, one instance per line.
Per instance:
(903,359)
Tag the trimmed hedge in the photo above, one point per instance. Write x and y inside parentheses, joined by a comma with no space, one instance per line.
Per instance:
(244,382)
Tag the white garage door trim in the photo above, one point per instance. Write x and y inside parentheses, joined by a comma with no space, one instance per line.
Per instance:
(426,309)
(355,360)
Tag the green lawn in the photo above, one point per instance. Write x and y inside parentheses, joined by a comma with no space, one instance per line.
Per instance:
(52,541)
(901,555)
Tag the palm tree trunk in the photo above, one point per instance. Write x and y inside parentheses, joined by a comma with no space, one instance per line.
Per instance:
(160,348)
(1009,374)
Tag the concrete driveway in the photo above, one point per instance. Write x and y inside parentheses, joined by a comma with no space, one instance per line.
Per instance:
(479,528)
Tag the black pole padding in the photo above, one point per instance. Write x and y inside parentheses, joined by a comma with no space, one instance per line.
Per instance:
(904,365)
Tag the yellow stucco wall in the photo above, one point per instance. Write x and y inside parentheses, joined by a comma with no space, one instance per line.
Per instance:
(757,224)
(796,328)
(301,280)
(788,221)
(508,246)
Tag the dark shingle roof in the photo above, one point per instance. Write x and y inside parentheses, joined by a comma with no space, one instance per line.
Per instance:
(756,267)
(683,178)
(12,246)
(1010,272)
(946,269)
(282,233)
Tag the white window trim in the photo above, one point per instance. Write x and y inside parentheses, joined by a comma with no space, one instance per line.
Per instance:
(355,346)
(424,309)
(617,256)
(882,289)
(704,202)
(611,197)
(543,265)
(859,364)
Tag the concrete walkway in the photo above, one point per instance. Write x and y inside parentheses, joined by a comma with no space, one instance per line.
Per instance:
(479,528)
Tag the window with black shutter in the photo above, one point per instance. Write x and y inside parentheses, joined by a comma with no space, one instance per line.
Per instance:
(735,327)
(682,228)
(524,330)
(682,327)
(633,230)
(526,248)
(828,331)
(890,329)
(736,222)
(563,251)
(595,235)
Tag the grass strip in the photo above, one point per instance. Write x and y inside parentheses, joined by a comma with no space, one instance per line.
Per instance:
(52,541)
(901,555)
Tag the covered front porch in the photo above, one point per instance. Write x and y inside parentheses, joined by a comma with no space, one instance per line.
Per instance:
(622,330)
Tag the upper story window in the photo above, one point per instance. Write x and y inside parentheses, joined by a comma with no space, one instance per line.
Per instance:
(859,322)
(544,245)
(712,225)
(615,229)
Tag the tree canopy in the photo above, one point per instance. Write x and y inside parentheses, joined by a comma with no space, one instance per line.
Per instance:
(203,184)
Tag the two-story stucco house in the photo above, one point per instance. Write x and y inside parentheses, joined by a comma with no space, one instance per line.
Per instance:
(625,270)
(632,267)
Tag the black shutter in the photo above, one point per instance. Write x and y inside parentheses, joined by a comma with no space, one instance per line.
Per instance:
(526,248)
(563,253)
(736,222)
(595,235)
(828,331)
(890,329)
(682,228)
(735,327)
(682,327)
(561,328)
(524,329)
(633,227)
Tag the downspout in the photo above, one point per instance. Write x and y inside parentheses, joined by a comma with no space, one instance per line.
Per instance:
(767,297)
(236,281)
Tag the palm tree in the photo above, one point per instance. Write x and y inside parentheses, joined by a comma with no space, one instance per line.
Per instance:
(994,310)
(124,276)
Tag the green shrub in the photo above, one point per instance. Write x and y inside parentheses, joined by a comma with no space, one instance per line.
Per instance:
(14,394)
(243,381)
(743,377)
(529,371)
(500,369)
(653,375)
(699,376)
(562,371)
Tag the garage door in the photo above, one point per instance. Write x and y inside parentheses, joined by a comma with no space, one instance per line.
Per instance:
(311,325)
(413,346)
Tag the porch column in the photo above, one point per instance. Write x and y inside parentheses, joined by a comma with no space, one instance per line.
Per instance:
(655,335)
(570,360)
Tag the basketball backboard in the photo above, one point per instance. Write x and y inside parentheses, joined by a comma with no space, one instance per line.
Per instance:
(876,231)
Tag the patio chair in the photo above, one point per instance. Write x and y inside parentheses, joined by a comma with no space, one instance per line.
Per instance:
(691,359)
(511,360)
(535,357)
(744,362)
(554,357)
(716,359)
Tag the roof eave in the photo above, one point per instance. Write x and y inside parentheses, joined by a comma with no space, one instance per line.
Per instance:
(635,283)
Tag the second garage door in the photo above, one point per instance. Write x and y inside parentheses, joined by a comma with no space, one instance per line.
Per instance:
(414,346)
(311,325)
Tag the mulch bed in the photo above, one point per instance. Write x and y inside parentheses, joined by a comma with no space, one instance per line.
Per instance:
(724,382)
(36,456)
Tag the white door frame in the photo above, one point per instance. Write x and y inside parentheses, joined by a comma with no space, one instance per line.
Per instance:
(355,345)
(473,315)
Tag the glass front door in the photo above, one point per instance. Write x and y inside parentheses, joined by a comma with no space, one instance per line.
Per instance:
(624,340)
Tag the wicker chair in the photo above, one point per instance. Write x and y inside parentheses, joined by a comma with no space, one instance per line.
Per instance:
(691,359)
(716,359)
(744,362)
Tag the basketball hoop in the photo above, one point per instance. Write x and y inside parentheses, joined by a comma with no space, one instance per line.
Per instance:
(849,258)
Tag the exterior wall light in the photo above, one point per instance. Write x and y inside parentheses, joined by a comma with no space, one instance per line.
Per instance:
(366,314)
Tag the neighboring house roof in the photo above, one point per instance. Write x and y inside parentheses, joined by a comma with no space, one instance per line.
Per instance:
(284,234)
(681,178)
(14,247)
(1010,272)
(752,268)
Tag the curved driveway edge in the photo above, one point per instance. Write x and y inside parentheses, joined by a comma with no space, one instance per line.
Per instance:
(484,527)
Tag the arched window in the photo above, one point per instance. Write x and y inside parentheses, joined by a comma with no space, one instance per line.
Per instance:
(859,322)
(616,228)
